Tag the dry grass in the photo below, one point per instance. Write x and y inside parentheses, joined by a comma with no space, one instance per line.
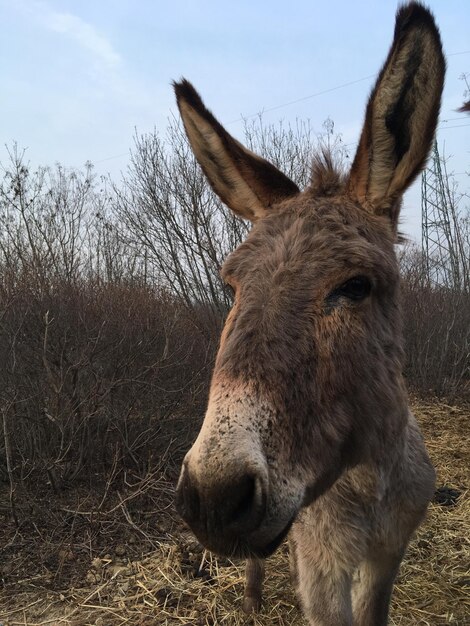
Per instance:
(433,586)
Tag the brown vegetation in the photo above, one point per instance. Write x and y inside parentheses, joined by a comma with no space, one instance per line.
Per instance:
(106,354)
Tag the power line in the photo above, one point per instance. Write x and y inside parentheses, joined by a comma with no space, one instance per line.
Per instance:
(320,93)
(457,126)
(451,119)
(116,156)
(313,95)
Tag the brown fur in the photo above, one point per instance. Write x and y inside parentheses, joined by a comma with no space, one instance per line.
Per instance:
(326,180)
(308,428)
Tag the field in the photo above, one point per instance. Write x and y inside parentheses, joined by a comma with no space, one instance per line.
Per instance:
(126,571)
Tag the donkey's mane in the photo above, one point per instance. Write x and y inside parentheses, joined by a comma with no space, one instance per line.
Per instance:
(327,177)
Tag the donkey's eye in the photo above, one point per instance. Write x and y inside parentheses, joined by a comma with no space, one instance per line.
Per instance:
(356,288)
(230,290)
(229,286)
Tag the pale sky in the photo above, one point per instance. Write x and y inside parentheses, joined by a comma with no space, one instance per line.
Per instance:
(79,76)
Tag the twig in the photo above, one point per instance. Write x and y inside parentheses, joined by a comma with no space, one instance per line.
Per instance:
(8,456)
(133,524)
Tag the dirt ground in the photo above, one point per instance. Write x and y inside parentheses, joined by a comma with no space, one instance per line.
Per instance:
(134,564)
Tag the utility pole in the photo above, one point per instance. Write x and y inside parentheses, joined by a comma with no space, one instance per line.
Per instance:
(441,241)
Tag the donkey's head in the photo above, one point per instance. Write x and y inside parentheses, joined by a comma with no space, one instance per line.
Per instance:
(307,381)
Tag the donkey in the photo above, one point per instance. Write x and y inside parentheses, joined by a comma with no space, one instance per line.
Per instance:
(308,429)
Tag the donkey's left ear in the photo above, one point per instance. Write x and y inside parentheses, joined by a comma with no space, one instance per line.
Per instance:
(401,114)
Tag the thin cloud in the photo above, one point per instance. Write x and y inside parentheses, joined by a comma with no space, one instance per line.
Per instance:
(78,30)
(85,35)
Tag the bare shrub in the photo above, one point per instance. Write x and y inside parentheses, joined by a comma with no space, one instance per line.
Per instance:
(91,367)
(97,361)
(437,330)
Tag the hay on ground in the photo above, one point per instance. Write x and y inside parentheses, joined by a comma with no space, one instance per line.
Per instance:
(179,584)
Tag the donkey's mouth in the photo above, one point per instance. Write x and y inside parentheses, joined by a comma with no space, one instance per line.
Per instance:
(243,548)
(266,550)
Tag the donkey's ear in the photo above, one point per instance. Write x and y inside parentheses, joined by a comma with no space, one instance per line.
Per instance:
(401,114)
(465,108)
(247,184)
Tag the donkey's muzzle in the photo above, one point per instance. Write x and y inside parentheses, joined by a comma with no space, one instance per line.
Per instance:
(224,512)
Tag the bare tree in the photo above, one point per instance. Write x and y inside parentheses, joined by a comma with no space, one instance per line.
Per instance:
(180,229)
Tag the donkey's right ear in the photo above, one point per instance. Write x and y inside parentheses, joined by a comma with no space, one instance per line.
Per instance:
(245,182)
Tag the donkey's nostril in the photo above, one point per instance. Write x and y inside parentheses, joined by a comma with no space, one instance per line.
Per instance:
(239,508)
(236,505)
(245,504)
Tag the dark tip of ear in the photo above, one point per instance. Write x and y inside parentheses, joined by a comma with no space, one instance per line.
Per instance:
(414,14)
(185,91)
(465,108)
(401,238)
